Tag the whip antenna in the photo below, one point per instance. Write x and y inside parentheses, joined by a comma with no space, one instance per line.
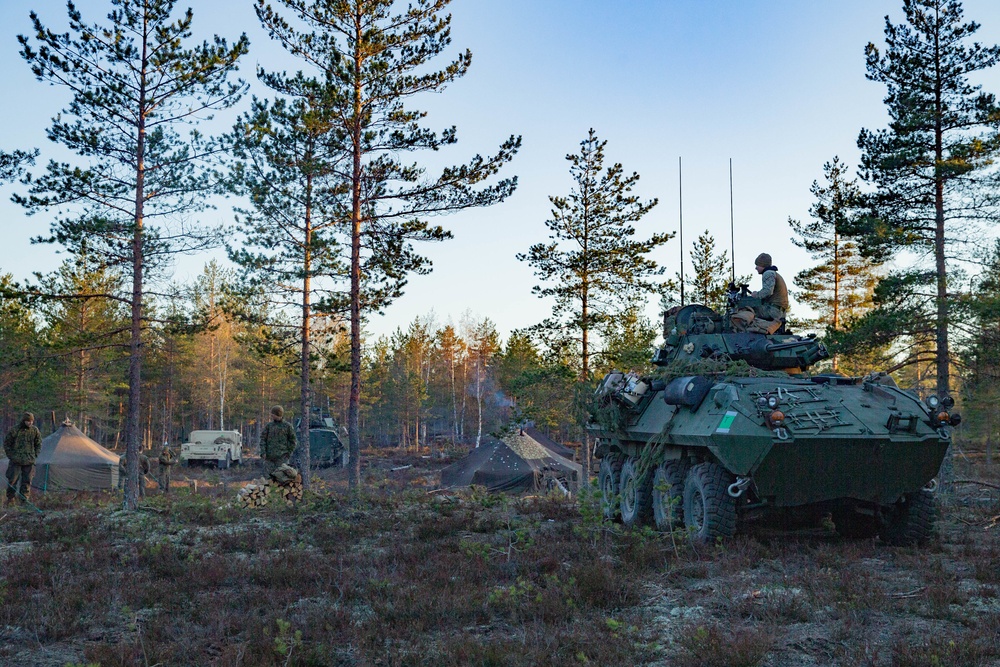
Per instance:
(680,199)
(732,227)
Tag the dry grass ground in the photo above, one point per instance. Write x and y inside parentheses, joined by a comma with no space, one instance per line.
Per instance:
(401,576)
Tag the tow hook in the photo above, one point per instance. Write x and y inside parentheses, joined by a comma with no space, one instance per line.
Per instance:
(931,486)
(737,488)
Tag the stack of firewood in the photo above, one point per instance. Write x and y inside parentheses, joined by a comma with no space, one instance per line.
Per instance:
(286,482)
(254,494)
(285,485)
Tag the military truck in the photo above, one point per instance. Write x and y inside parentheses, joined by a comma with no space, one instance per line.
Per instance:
(732,428)
(223,448)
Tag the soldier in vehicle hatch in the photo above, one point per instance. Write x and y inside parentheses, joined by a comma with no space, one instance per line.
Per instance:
(22,445)
(277,441)
(773,293)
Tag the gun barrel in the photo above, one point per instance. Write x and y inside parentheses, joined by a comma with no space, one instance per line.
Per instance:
(774,347)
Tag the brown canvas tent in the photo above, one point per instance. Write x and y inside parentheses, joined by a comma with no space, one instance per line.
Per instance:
(72,461)
(516,463)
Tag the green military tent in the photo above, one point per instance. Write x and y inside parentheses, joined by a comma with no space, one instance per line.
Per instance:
(516,463)
(72,461)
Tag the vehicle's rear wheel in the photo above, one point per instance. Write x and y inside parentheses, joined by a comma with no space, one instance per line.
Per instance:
(854,525)
(709,510)
(668,494)
(910,521)
(636,493)
(607,478)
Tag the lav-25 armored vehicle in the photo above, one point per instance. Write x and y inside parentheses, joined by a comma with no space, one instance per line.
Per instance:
(732,429)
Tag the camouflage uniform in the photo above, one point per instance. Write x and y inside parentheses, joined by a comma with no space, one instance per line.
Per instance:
(22,445)
(277,442)
(773,293)
(143,470)
(121,472)
(167,460)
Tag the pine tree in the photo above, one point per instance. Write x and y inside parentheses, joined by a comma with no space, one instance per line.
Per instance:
(13,164)
(133,84)
(981,355)
(628,342)
(711,273)
(288,154)
(86,336)
(542,389)
(376,60)
(931,169)
(841,286)
(593,265)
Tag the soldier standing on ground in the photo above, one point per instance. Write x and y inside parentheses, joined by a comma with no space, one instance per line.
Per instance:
(277,441)
(143,470)
(121,472)
(167,460)
(22,445)
(773,293)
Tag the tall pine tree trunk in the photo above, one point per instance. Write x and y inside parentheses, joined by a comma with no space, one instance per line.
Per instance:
(133,476)
(354,435)
(302,453)
(943,370)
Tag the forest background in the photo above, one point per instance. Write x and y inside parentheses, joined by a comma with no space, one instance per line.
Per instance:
(459,356)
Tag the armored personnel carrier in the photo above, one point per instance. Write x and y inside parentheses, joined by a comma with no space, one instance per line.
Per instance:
(733,429)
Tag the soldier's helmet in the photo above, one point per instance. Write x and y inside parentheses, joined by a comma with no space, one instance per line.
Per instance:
(278,411)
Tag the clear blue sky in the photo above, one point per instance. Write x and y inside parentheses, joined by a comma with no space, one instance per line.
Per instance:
(777,85)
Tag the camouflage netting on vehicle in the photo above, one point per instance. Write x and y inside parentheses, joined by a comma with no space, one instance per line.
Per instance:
(609,414)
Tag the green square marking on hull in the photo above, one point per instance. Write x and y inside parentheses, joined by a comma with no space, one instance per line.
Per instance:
(727,422)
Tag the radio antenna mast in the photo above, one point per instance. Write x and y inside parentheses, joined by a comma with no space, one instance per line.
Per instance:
(732,227)
(680,199)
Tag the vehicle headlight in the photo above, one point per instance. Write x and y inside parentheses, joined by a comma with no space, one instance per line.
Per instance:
(932,402)
(947,402)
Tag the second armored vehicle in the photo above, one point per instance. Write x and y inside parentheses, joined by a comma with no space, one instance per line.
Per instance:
(733,429)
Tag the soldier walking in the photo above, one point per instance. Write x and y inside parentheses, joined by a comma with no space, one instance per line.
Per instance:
(277,441)
(22,445)
(167,460)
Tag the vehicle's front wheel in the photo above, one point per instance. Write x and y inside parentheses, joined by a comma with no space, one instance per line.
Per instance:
(668,494)
(910,521)
(636,493)
(709,510)
(608,478)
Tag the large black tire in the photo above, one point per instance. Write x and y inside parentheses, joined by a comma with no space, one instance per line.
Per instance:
(709,510)
(668,494)
(910,521)
(607,478)
(636,494)
(853,525)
